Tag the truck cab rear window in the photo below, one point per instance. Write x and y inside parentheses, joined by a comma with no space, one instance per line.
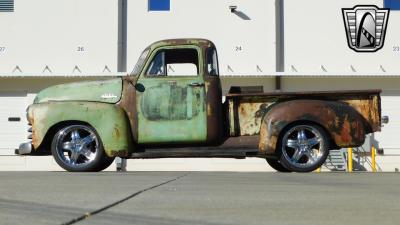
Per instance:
(174,62)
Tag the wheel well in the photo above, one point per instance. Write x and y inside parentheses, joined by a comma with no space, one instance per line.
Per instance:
(331,142)
(44,147)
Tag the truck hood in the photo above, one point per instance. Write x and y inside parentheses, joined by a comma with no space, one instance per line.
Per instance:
(107,91)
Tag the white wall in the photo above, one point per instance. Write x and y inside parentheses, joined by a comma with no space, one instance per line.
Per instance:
(212,20)
(42,33)
(315,35)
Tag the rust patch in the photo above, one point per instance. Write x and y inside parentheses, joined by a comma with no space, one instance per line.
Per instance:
(240,142)
(209,110)
(116,133)
(202,43)
(250,115)
(35,136)
(120,153)
(369,108)
(343,122)
(35,141)
(345,132)
(215,131)
(128,103)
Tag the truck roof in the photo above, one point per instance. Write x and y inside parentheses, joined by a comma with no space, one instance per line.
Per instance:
(183,41)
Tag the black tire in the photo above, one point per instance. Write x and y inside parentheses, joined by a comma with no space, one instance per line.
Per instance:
(275,164)
(303,147)
(107,161)
(78,148)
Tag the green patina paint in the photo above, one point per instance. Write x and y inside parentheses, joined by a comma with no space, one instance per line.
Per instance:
(108,91)
(169,109)
(171,112)
(171,102)
(108,120)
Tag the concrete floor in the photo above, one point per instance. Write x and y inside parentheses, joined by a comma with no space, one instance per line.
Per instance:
(199,198)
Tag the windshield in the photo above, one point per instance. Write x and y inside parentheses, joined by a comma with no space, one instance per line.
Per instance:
(140,62)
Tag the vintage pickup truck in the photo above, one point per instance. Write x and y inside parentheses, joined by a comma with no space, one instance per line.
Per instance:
(171,106)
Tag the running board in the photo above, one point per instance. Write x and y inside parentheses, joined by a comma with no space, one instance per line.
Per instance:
(194,153)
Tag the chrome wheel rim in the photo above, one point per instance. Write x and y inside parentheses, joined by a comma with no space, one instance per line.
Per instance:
(77,145)
(302,146)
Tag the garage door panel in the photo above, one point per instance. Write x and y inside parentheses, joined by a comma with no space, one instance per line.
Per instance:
(389,136)
(12,133)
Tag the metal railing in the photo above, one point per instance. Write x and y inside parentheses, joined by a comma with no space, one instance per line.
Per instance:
(364,157)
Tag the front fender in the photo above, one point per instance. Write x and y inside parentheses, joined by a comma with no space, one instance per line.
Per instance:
(343,124)
(109,120)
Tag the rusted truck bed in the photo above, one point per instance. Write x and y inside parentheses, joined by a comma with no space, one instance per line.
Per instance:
(245,110)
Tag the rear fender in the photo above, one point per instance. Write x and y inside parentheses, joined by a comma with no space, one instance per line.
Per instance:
(344,125)
(109,121)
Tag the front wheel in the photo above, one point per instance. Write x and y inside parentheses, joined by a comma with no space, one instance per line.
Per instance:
(78,148)
(303,147)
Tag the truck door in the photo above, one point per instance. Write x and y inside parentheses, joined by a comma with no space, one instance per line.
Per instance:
(171,97)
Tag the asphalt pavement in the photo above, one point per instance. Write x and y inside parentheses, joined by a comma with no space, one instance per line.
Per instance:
(209,198)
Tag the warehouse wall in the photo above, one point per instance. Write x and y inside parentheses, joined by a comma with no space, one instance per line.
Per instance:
(315,36)
(59,35)
(72,36)
(245,40)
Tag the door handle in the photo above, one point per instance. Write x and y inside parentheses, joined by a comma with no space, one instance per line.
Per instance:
(173,83)
(196,84)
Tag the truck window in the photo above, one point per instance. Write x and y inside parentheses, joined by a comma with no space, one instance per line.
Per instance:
(174,62)
(157,66)
(212,62)
(140,62)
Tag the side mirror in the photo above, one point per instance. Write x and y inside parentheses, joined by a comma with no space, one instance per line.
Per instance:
(140,87)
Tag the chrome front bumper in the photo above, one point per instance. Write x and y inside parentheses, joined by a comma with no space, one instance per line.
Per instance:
(24,149)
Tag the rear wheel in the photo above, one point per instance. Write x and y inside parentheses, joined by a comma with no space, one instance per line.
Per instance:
(303,147)
(275,164)
(78,148)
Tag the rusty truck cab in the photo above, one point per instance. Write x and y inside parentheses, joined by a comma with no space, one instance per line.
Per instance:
(176,95)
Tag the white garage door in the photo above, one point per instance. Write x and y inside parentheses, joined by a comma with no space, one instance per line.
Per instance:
(389,137)
(13,124)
